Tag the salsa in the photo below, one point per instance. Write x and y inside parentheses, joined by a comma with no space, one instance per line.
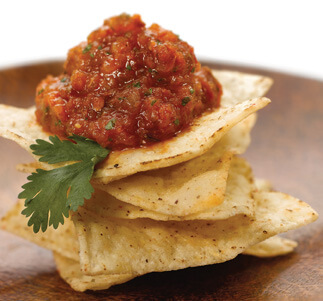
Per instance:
(127,86)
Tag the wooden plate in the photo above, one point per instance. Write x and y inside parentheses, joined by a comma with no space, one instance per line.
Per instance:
(287,149)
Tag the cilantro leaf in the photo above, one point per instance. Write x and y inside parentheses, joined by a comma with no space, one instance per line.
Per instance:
(87,48)
(185,101)
(111,124)
(50,194)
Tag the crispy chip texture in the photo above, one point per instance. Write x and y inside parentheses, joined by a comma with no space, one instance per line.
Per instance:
(146,245)
(119,246)
(20,125)
(273,246)
(70,271)
(241,86)
(237,200)
(176,190)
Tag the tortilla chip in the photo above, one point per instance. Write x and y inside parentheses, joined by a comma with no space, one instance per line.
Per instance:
(273,246)
(176,190)
(20,125)
(139,246)
(236,140)
(241,86)
(202,135)
(62,240)
(237,201)
(70,271)
(263,185)
(29,167)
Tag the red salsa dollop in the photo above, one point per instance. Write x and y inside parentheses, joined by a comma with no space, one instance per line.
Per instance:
(127,86)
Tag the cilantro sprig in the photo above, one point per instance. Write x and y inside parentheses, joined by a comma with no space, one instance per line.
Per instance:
(50,194)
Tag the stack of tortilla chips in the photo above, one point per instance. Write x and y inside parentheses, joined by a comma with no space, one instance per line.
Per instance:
(189,201)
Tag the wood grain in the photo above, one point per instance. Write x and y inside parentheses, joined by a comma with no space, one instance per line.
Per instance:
(287,149)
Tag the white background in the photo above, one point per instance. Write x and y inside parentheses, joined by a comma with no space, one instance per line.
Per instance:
(278,34)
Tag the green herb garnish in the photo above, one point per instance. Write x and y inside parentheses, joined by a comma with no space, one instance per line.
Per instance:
(40,91)
(58,122)
(128,67)
(91,55)
(63,80)
(137,85)
(153,102)
(99,47)
(149,92)
(192,91)
(87,48)
(176,122)
(185,101)
(111,124)
(50,194)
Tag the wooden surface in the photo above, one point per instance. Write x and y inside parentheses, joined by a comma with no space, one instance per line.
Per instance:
(287,149)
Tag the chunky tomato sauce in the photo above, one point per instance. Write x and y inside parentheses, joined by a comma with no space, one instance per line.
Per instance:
(127,86)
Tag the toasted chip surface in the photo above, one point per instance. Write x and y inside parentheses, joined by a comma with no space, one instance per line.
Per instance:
(237,200)
(176,190)
(239,85)
(142,245)
(273,246)
(70,271)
